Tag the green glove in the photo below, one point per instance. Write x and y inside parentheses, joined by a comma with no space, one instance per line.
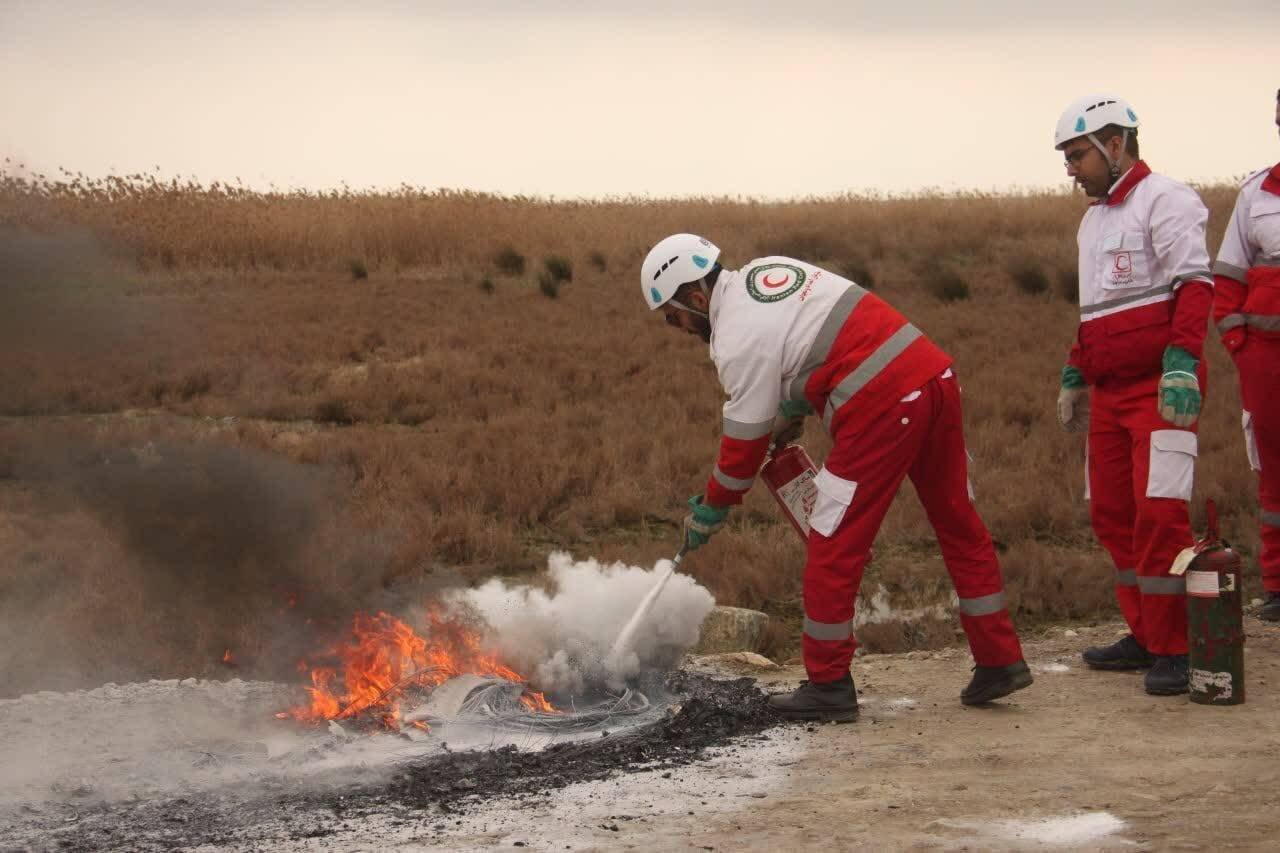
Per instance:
(795,409)
(702,522)
(1179,395)
(1073,401)
(788,426)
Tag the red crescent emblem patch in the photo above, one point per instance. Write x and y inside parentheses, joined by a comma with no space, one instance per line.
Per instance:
(769,282)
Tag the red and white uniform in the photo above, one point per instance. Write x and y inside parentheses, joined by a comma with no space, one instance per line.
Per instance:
(1144,285)
(1246,309)
(785,329)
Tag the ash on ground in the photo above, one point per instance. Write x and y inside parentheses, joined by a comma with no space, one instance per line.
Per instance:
(182,764)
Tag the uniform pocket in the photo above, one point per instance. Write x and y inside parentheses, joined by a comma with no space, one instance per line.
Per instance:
(834,496)
(1173,464)
(1264,224)
(1250,442)
(1263,294)
(1124,261)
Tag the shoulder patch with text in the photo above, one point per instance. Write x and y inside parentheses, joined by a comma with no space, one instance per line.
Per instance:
(773,282)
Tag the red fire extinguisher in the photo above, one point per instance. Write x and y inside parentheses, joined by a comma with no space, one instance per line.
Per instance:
(1215,619)
(788,474)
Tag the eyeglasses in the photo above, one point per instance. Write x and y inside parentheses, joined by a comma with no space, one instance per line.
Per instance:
(1075,157)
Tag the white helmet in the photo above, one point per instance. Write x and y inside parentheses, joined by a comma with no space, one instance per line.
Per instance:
(1088,115)
(677,260)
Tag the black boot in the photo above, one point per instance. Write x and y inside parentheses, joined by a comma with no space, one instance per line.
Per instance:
(1270,610)
(1125,653)
(992,682)
(832,701)
(1168,676)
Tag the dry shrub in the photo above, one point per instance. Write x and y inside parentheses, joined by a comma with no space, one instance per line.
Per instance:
(1029,278)
(549,284)
(508,261)
(945,283)
(558,267)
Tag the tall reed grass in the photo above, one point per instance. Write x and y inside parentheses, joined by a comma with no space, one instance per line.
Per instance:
(475,424)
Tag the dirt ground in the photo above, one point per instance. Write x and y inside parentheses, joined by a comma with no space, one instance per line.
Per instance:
(1080,760)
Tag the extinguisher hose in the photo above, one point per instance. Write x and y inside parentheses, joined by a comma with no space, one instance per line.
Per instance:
(627,635)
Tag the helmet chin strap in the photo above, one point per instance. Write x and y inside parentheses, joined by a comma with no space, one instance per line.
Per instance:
(1113,163)
(683,307)
(706,291)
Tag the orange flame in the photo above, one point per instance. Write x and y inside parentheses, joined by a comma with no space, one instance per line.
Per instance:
(384,657)
(227,657)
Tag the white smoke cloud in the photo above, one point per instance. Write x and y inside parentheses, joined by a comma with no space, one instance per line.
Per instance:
(562,639)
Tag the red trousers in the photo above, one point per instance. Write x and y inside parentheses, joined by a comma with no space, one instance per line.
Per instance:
(921,437)
(1257,362)
(1140,474)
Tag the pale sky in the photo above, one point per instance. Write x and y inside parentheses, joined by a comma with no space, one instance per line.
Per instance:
(660,98)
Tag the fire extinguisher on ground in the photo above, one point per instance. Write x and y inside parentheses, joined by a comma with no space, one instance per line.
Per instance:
(788,474)
(1215,618)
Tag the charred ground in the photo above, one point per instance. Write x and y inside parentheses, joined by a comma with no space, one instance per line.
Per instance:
(429,794)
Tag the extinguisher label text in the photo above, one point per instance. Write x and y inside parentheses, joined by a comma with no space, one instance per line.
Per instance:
(1202,584)
(798,497)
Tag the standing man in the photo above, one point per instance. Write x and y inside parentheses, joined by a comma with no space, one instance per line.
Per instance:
(1134,376)
(790,339)
(1246,307)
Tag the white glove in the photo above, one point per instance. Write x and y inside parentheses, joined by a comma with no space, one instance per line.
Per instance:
(1073,409)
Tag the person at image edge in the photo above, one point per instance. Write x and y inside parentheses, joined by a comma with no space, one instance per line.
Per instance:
(1246,309)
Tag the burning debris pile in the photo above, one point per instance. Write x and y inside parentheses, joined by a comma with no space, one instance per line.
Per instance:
(386,664)
(454,668)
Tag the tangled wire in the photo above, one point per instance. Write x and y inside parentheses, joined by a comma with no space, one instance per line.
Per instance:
(497,702)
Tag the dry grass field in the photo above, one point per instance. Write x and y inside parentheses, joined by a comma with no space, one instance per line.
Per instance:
(224,412)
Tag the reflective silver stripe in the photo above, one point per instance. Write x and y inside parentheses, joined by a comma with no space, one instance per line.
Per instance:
(731,483)
(834,631)
(1125,300)
(746,432)
(868,370)
(1230,271)
(1267,262)
(1197,275)
(1162,585)
(984,606)
(1265,322)
(1229,322)
(1269,518)
(1126,577)
(826,338)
